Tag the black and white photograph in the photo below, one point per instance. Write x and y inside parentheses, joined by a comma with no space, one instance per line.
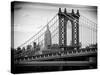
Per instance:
(48,37)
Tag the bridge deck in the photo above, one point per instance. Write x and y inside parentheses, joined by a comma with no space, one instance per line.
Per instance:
(60,55)
(56,63)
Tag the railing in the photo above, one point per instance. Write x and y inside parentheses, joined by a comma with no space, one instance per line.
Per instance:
(60,54)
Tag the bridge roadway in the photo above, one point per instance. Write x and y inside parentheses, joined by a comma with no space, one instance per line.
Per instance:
(63,54)
(44,66)
(56,63)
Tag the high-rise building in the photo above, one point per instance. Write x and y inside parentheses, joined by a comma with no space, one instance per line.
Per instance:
(34,45)
(47,38)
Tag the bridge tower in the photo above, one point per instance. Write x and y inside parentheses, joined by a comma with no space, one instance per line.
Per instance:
(62,28)
(63,19)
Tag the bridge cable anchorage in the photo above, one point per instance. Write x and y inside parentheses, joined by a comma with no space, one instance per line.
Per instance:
(38,32)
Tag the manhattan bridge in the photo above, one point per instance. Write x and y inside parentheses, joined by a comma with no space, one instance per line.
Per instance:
(81,47)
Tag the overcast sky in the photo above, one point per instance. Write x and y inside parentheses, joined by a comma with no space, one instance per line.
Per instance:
(29,18)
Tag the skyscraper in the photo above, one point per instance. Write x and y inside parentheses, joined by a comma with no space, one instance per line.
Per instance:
(47,38)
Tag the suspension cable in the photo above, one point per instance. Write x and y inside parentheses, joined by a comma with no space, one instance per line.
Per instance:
(38,32)
(90,28)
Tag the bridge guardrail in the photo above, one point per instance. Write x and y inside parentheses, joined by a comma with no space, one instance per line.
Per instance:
(60,54)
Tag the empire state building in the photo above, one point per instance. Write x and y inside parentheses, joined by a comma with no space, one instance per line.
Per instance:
(47,38)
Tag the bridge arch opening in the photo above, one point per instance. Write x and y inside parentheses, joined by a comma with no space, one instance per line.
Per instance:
(68,33)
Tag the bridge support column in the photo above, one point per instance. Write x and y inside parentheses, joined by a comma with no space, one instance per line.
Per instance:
(75,29)
(62,28)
